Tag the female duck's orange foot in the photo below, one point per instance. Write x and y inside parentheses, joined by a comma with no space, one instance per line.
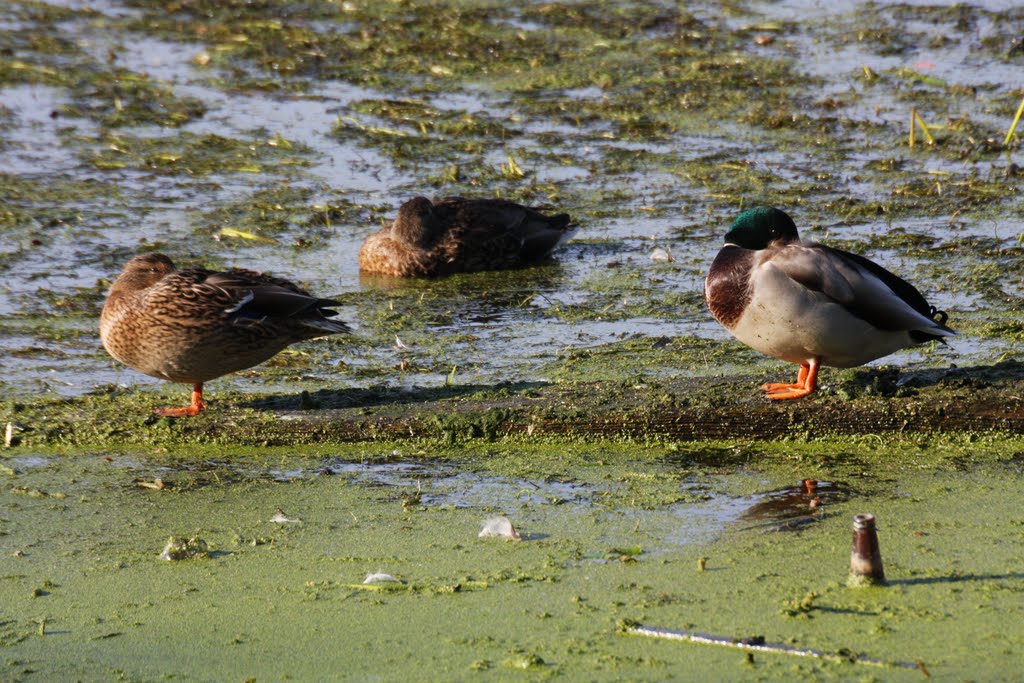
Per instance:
(806,382)
(193,408)
(187,411)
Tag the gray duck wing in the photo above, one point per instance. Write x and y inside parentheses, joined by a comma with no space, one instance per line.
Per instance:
(868,292)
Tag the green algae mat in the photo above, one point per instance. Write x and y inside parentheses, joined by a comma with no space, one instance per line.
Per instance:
(734,539)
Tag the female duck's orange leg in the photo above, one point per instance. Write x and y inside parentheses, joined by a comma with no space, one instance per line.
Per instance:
(807,381)
(193,408)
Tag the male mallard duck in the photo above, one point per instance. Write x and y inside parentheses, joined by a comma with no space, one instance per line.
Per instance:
(194,325)
(810,304)
(457,235)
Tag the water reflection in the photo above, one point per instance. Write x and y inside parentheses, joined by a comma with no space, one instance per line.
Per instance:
(793,507)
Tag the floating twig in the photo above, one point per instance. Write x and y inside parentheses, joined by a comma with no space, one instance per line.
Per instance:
(758,643)
(242,234)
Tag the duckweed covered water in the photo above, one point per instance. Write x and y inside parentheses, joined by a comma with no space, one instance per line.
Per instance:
(698,537)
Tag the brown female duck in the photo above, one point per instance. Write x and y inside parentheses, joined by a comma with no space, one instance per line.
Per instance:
(457,235)
(194,325)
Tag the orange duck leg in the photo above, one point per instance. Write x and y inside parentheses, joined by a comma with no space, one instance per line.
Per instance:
(193,408)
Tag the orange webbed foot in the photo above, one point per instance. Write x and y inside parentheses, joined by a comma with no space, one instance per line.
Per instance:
(194,408)
(806,382)
(772,388)
(794,392)
(187,411)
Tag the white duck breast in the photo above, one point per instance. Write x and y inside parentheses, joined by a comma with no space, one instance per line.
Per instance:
(810,301)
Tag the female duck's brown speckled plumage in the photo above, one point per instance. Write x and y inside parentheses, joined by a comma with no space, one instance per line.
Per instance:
(194,325)
(457,235)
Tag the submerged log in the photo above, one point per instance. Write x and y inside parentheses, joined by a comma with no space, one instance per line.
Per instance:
(987,399)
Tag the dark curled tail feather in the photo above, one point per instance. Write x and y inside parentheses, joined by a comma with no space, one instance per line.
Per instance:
(939,317)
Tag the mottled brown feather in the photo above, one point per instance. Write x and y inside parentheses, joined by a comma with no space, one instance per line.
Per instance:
(193,325)
(454,234)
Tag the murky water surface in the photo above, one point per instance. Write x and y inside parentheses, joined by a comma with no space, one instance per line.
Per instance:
(86,189)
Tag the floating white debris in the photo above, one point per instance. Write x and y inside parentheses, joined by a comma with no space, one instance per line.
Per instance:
(281,518)
(660,254)
(399,344)
(179,548)
(499,527)
(380,578)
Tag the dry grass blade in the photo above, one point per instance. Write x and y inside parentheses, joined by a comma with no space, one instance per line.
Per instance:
(1013,126)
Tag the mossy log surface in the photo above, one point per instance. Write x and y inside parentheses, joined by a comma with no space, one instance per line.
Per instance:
(679,410)
(884,400)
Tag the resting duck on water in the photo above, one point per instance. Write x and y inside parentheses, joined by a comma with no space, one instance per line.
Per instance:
(458,235)
(809,304)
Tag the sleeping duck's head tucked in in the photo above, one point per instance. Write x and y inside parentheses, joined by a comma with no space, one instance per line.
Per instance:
(193,325)
(459,235)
